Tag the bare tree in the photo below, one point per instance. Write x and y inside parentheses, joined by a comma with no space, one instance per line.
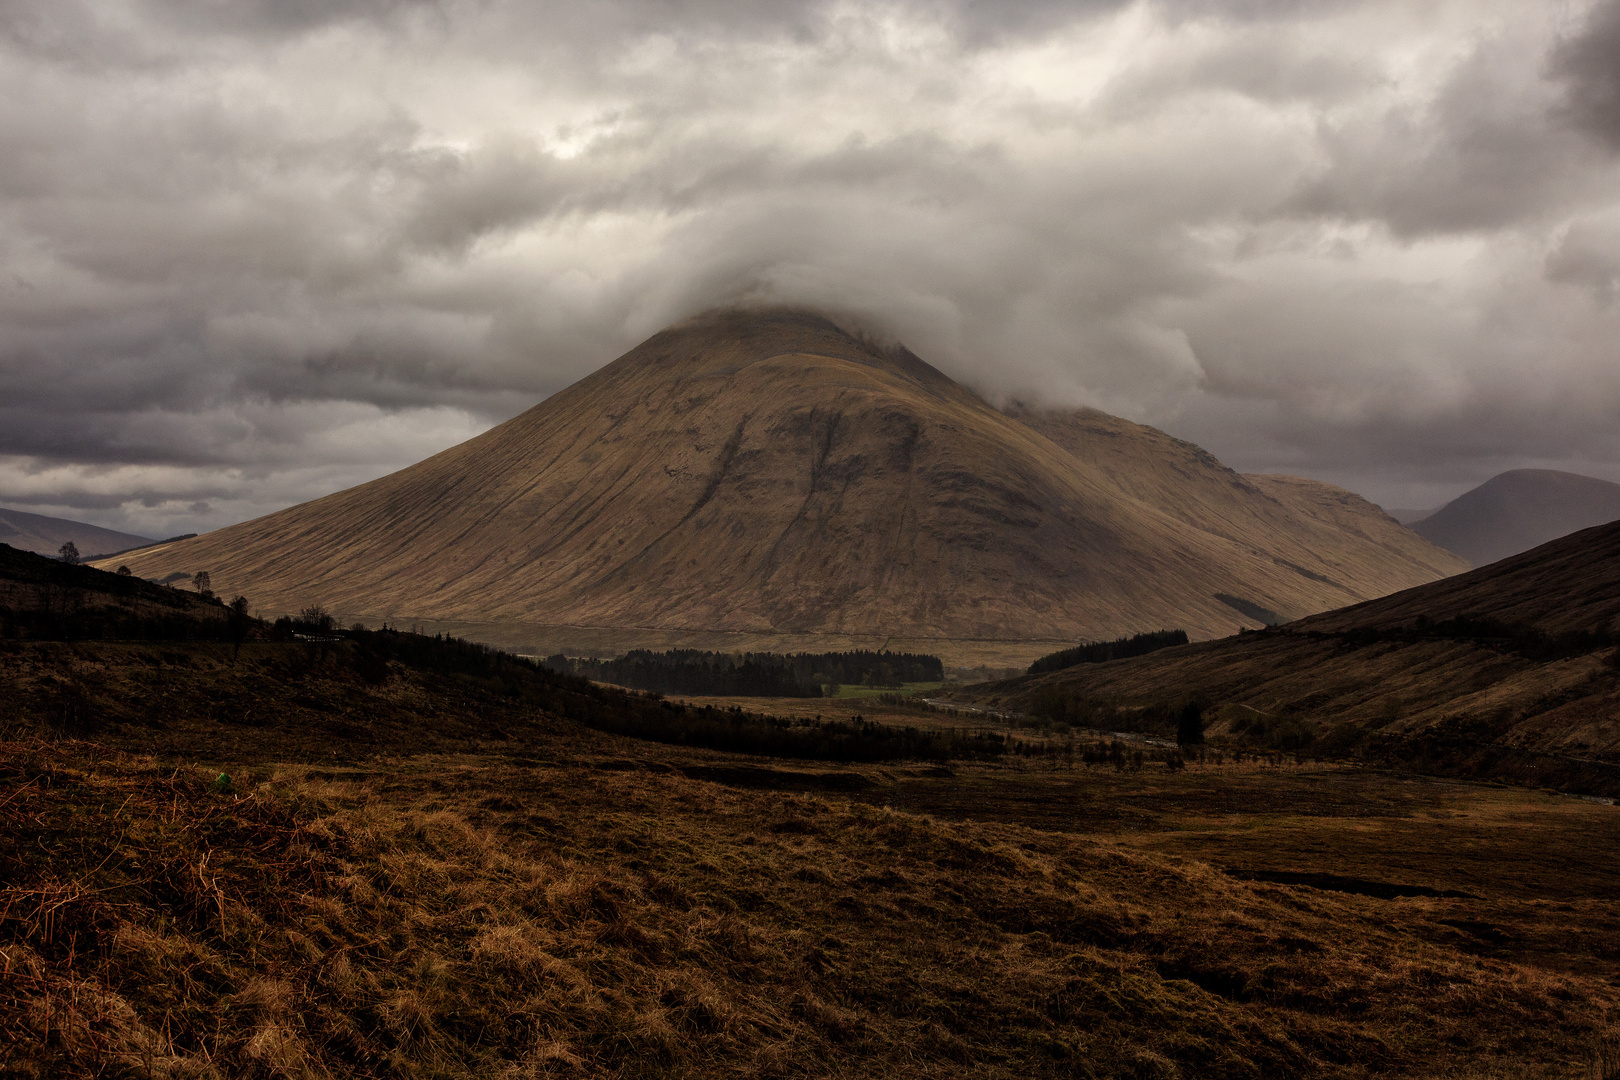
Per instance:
(317,619)
(204,584)
(69,553)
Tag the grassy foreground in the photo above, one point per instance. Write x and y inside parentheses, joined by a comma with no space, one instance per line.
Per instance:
(490,916)
(418,871)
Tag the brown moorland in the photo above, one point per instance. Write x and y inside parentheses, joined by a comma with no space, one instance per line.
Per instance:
(415,873)
(1511,670)
(43,594)
(767,474)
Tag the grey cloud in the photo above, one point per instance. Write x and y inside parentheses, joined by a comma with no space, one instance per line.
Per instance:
(1588,255)
(1251,11)
(469,197)
(1479,156)
(276,16)
(1590,64)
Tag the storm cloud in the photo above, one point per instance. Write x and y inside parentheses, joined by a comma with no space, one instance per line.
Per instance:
(252,252)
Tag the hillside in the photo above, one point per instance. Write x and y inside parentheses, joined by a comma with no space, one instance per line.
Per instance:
(46,535)
(1517,510)
(1273,513)
(40,596)
(1565,586)
(1511,670)
(769,474)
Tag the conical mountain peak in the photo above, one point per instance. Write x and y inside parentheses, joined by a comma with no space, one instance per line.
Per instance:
(771,475)
(722,341)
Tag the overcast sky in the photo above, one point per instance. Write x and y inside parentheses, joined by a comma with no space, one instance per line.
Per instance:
(253,251)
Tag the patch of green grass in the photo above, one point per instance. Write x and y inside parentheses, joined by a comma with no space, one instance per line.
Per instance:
(875,691)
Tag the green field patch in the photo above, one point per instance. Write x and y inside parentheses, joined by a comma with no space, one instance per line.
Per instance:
(876,691)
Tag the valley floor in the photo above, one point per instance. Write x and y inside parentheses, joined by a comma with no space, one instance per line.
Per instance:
(527,898)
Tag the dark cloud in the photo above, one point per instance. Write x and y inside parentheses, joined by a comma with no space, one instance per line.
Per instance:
(253,251)
(1588,255)
(1589,63)
(277,16)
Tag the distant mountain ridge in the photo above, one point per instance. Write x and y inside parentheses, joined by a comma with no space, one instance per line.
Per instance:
(46,535)
(769,473)
(1518,510)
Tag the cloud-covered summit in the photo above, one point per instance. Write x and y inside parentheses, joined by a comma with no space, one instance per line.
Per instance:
(251,252)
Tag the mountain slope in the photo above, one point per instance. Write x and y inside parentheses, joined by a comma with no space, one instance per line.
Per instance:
(768,472)
(46,535)
(1508,670)
(1570,585)
(1325,527)
(1517,510)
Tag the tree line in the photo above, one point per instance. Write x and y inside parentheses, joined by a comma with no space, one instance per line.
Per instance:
(1103,651)
(646,715)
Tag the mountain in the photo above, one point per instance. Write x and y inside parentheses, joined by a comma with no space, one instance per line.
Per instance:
(46,535)
(1511,670)
(1517,510)
(1275,513)
(767,473)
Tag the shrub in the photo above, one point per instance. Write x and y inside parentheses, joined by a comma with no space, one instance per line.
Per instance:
(1190,724)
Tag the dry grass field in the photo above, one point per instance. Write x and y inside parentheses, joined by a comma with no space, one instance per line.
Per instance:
(440,882)
(481,915)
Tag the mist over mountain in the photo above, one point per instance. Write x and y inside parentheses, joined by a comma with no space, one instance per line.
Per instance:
(46,535)
(1517,510)
(767,472)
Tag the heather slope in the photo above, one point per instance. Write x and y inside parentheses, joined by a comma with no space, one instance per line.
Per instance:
(1568,585)
(44,595)
(769,473)
(1510,670)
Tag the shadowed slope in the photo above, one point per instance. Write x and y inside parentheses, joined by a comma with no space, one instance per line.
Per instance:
(769,472)
(46,535)
(1517,510)
(1509,670)
(1569,585)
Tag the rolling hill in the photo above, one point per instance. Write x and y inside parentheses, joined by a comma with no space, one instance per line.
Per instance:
(1510,670)
(769,476)
(1514,511)
(46,535)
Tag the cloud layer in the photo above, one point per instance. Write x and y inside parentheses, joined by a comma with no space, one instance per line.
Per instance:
(251,252)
